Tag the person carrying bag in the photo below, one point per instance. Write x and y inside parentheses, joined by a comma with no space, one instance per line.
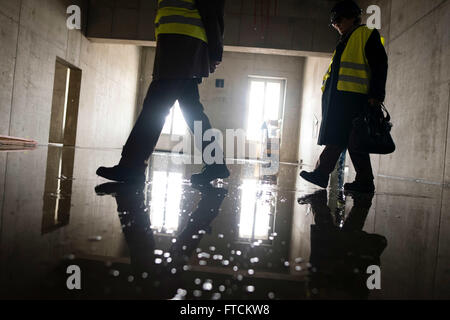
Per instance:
(354,83)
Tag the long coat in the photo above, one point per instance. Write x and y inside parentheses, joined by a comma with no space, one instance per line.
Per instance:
(340,108)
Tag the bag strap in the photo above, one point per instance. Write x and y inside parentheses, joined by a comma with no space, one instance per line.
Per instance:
(388,116)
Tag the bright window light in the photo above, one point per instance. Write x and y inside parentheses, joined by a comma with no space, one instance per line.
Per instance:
(255,220)
(175,123)
(248,199)
(264,105)
(165,201)
(255,115)
(262,219)
(272,105)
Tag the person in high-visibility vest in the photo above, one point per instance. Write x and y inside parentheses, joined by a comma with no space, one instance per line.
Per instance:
(356,77)
(189,37)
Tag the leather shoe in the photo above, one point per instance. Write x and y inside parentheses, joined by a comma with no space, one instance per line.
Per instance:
(315,178)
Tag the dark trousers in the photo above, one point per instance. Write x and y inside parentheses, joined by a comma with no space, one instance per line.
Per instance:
(361,161)
(160,97)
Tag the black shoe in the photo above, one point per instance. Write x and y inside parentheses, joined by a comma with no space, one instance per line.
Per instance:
(317,196)
(362,187)
(122,174)
(210,173)
(315,178)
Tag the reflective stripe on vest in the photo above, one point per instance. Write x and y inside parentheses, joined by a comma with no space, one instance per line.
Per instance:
(179,17)
(354,70)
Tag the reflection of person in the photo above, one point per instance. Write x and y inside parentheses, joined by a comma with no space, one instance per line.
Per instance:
(189,46)
(340,255)
(200,220)
(135,222)
(356,77)
(136,226)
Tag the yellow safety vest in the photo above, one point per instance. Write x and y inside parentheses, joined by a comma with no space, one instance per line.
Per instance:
(179,17)
(354,70)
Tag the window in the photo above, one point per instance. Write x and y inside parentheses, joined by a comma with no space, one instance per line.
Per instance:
(175,124)
(265,105)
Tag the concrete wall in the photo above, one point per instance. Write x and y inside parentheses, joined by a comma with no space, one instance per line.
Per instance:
(418,88)
(281,24)
(33,34)
(147,61)
(227,107)
(311,111)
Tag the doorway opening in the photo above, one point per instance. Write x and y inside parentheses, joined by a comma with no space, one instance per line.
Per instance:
(66,98)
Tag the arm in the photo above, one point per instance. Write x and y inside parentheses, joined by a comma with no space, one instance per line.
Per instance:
(212,13)
(378,62)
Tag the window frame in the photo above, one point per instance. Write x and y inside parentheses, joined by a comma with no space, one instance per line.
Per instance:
(266,79)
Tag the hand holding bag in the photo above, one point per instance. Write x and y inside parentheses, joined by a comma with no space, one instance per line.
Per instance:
(371,131)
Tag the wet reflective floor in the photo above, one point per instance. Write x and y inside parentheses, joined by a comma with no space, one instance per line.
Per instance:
(248,237)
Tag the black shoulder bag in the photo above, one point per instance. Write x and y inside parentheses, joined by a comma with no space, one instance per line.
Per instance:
(371,131)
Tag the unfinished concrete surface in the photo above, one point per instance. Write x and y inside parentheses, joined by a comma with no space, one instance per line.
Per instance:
(311,111)
(34,34)
(418,88)
(288,24)
(412,218)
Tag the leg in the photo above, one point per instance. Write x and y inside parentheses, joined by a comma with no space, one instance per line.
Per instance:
(161,96)
(325,165)
(328,159)
(192,110)
(363,167)
(364,176)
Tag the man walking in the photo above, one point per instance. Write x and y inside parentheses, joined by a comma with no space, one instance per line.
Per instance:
(356,77)
(189,36)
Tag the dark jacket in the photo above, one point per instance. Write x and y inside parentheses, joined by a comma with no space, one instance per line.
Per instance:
(339,108)
(184,57)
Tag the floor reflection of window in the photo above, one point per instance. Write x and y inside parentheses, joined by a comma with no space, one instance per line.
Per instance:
(165,201)
(257,211)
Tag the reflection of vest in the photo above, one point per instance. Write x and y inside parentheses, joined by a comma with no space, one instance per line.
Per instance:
(354,71)
(179,17)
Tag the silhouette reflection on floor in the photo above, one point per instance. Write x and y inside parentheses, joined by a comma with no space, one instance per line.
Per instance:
(340,251)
